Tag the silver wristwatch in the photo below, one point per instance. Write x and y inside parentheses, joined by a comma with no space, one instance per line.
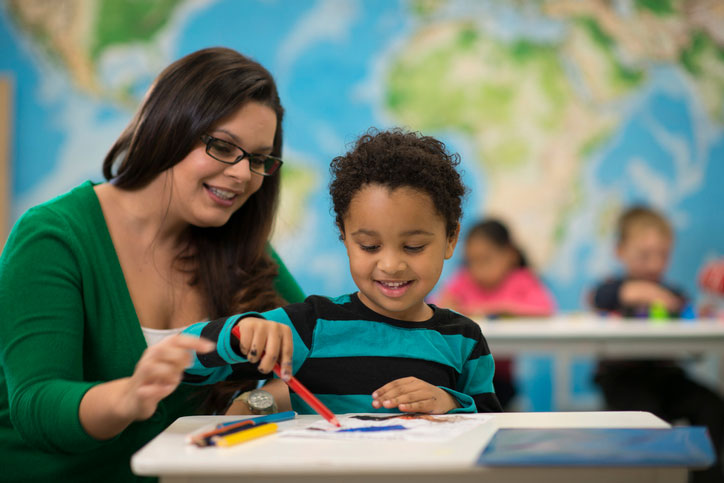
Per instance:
(259,401)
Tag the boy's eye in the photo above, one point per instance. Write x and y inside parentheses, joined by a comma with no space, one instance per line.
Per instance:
(414,249)
(369,248)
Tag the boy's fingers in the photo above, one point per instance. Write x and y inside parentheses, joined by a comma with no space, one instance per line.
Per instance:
(413,396)
(393,388)
(271,353)
(425,406)
(286,353)
(245,337)
(406,398)
(257,344)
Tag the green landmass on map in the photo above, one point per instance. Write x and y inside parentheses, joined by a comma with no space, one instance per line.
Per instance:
(622,77)
(127,21)
(424,91)
(658,7)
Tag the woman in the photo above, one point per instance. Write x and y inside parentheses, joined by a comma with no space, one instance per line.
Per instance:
(95,283)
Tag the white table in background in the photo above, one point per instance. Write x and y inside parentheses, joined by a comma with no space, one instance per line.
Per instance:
(590,335)
(277,459)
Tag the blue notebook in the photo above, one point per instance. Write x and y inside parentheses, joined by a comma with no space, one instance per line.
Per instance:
(680,446)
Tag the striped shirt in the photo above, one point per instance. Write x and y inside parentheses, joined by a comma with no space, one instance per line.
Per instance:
(344,351)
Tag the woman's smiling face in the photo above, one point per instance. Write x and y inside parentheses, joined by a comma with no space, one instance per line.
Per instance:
(206,192)
(396,243)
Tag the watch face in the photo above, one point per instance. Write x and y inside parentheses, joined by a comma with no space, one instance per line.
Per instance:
(260,400)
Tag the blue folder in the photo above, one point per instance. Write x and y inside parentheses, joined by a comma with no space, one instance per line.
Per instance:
(688,446)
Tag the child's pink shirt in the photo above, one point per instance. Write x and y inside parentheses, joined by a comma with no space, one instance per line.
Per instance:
(520,293)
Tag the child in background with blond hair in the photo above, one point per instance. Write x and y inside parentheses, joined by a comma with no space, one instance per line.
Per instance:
(645,239)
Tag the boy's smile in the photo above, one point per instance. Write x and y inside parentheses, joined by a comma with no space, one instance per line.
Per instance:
(396,242)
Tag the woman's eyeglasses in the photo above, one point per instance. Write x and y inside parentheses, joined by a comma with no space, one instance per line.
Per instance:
(228,153)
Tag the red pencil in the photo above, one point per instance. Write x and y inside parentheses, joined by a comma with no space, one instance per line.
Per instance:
(302,391)
(308,397)
(204,439)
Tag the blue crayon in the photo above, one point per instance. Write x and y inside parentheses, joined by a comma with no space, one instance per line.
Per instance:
(269,418)
(372,429)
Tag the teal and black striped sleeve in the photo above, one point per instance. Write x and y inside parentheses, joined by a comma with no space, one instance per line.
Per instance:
(476,381)
(225,362)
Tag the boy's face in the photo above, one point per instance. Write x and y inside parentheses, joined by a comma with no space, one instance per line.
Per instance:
(645,253)
(396,242)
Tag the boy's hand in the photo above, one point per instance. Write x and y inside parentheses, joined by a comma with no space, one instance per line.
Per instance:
(411,394)
(644,292)
(264,341)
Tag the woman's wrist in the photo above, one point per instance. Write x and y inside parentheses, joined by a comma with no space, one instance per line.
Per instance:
(107,409)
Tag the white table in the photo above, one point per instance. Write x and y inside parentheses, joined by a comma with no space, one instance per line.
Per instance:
(275,459)
(595,336)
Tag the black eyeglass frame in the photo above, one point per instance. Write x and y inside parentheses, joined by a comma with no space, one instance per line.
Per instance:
(277,163)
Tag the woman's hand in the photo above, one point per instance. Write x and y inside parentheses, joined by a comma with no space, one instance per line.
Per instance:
(267,343)
(159,372)
(108,408)
(411,394)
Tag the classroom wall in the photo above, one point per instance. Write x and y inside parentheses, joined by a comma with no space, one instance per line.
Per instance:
(563,112)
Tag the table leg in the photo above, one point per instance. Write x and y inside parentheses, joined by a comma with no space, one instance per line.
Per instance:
(561,381)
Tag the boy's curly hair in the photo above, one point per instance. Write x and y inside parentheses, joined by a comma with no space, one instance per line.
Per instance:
(394,159)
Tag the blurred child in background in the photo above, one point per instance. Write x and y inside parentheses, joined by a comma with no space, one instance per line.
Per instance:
(644,245)
(496,281)
(711,282)
(662,387)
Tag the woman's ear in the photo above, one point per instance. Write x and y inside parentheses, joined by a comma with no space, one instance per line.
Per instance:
(452,240)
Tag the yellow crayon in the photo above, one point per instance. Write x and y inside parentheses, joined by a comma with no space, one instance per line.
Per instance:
(246,435)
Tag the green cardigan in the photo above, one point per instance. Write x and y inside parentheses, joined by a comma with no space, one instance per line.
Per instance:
(67,323)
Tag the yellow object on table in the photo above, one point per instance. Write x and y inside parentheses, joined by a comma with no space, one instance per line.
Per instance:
(247,434)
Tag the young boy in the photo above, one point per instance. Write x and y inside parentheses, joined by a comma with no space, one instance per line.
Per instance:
(644,246)
(659,386)
(397,198)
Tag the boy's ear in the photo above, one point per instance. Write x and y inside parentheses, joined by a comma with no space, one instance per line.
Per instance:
(341,231)
(452,240)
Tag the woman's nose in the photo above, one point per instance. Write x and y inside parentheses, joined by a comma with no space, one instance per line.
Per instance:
(239,171)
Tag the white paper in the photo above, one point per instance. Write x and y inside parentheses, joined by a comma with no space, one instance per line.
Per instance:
(417,427)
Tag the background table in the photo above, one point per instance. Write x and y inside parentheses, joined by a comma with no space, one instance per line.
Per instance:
(566,336)
(275,459)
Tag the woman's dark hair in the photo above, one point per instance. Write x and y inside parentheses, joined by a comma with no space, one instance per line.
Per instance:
(394,159)
(229,263)
(497,233)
